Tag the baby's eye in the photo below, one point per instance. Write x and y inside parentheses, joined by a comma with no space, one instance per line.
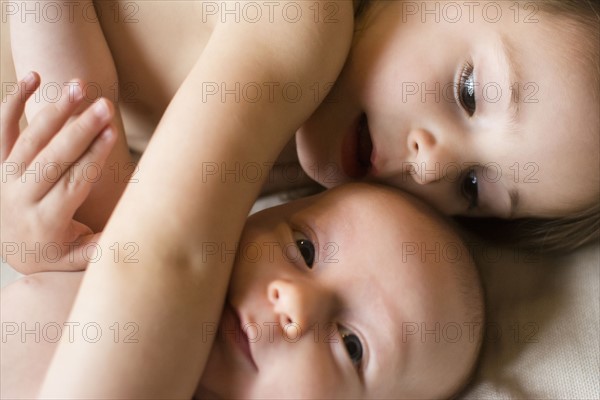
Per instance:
(466,89)
(353,346)
(307,249)
(470,189)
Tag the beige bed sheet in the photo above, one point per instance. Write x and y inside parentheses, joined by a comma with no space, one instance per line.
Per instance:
(555,304)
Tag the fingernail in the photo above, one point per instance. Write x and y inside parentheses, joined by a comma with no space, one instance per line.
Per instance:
(75,92)
(101,109)
(29,78)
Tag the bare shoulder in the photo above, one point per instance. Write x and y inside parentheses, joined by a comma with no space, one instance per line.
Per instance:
(33,311)
(309,35)
(282,65)
(286,39)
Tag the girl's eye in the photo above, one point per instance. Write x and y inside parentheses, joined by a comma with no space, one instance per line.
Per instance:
(353,346)
(466,89)
(470,189)
(307,249)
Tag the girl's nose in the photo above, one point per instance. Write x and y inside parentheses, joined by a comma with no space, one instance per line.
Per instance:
(425,155)
(298,303)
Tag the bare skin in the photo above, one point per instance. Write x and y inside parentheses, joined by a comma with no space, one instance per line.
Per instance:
(119,49)
(147,81)
(195,131)
(45,298)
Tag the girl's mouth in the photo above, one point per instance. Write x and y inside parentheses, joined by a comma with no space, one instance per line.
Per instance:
(357,149)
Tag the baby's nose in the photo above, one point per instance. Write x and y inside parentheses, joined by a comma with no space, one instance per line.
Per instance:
(298,303)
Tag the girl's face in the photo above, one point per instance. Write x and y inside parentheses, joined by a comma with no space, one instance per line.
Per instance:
(481,109)
(329,299)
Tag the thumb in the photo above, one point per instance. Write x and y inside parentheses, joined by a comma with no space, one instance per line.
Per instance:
(82,250)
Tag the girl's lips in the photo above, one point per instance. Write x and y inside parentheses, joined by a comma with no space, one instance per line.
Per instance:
(357,149)
(231,327)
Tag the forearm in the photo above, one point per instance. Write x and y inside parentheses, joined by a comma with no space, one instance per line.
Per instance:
(73,46)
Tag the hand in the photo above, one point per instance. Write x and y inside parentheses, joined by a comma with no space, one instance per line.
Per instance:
(45,178)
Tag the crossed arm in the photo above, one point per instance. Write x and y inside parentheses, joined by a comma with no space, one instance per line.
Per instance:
(171,278)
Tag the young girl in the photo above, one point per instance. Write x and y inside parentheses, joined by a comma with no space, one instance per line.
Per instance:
(476,108)
(328,297)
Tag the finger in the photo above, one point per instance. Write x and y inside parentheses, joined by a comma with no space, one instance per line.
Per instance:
(74,257)
(46,124)
(67,147)
(12,111)
(80,255)
(67,195)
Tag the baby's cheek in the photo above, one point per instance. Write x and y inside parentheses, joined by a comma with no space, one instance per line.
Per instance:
(304,372)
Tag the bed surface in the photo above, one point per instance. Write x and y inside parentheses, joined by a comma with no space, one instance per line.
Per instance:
(543,335)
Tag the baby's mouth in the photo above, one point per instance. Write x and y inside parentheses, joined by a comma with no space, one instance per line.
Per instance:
(231,326)
(357,149)
(244,342)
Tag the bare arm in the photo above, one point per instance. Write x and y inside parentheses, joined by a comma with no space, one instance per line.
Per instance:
(172,290)
(63,48)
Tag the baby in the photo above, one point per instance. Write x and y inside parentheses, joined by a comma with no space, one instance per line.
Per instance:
(358,292)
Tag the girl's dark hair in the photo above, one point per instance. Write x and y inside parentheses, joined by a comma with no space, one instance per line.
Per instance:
(552,235)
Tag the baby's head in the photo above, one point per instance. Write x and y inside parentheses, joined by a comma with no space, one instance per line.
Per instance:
(486,109)
(358,292)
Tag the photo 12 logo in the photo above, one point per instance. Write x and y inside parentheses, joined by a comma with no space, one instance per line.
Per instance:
(52,332)
(453,12)
(272,11)
(70,11)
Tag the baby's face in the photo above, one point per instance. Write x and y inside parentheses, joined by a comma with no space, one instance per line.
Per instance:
(518,137)
(332,293)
